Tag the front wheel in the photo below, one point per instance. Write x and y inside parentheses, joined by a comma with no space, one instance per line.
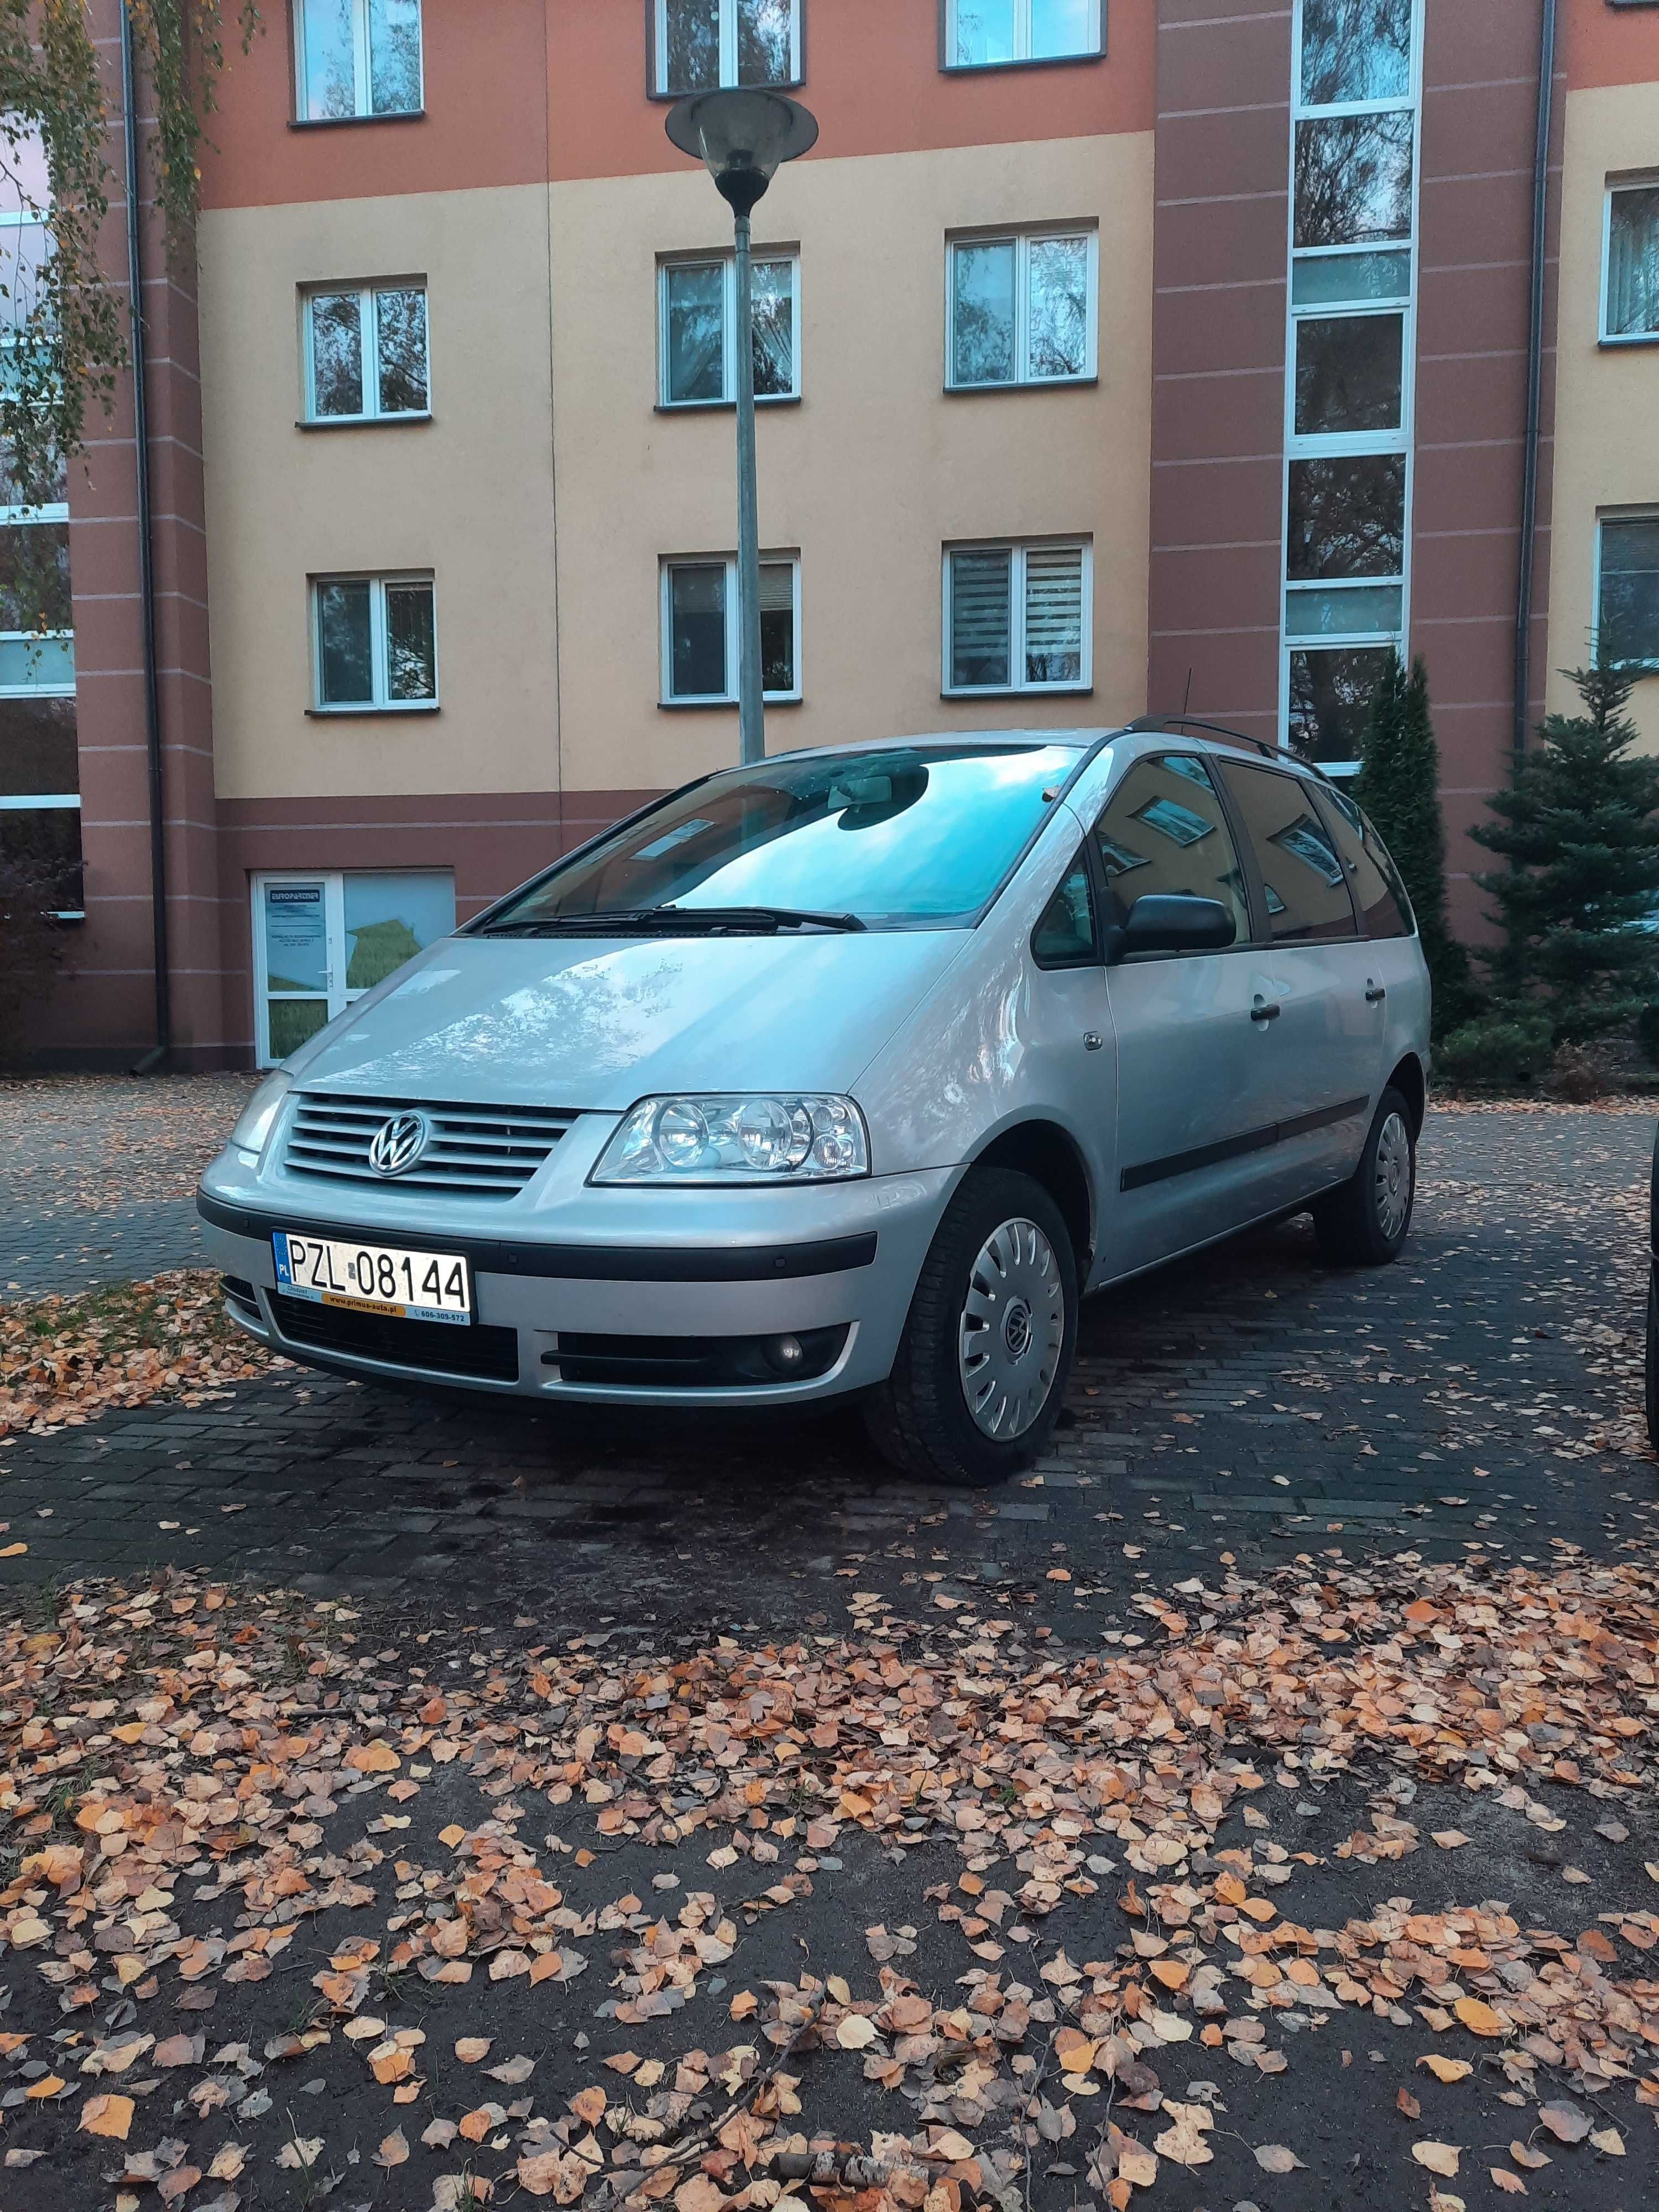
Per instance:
(1651,1365)
(1362,1223)
(982,1363)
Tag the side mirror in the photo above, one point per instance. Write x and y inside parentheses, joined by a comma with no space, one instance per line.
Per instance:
(1161,921)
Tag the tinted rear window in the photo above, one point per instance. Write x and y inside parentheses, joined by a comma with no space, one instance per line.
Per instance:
(1384,908)
(1305,880)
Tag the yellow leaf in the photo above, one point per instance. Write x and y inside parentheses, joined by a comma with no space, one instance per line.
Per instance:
(12,1550)
(107,2116)
(393,2151)
(47,2085)
(1446,2069)
(1439,2157)
(854,2031)
(1480,2018)
(389,2064)
(588,2105)
(471,2048)
(1510,2182)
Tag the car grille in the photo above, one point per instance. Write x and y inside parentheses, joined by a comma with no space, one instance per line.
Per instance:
(474,1151)
(491,1353)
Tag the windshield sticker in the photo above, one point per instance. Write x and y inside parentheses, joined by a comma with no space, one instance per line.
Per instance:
(670,838)
(427,980)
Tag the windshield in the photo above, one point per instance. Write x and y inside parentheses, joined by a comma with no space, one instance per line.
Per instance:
(915,836)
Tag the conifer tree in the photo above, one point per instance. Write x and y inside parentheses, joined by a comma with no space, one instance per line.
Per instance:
(1579,827)
(1398,787)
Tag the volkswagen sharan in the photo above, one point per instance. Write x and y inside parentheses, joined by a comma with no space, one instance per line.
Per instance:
(849,1074)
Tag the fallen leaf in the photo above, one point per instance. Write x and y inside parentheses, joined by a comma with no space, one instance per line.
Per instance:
(855,2031)
(1274,2158)
(1524,2155)
(107,2115)
(1564,2121)
(393,2151)
(1450,1839)
(471,2048)
(1510,2182)
(1446,2069)
(1439,2157)
(513,2071)
(588,2105)
(1480,2019)
(1407,2104)
(1609,2141)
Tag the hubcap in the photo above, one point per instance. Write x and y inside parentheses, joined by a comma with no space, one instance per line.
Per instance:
(1014,1324)
(1394,1177)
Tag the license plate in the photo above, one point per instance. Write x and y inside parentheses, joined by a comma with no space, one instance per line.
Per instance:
(374,1278)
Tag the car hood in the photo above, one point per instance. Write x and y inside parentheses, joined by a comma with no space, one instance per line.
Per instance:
(593,1024)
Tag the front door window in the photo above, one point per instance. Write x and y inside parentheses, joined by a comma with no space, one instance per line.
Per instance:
(322,940)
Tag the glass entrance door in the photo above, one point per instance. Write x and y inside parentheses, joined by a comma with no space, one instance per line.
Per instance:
(322,938)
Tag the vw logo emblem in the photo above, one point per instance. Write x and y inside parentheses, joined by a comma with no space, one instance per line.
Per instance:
(397,1144)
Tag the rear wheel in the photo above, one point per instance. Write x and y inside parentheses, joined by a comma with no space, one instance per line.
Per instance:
(1363,1223)
(983,1364)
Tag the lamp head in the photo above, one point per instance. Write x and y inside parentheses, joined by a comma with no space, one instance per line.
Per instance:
(742,135)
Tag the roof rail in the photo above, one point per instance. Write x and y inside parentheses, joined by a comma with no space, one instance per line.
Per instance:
(1155,724)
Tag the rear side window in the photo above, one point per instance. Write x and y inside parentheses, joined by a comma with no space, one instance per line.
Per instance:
(1384,908)
(1304,881)
(1165,830)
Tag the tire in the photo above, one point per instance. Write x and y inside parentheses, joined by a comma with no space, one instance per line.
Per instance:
(1363,1223)
(1651,1363)
(993,1324)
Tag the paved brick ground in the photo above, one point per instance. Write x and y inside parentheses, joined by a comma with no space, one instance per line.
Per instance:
(96,1175)
(1248,1401)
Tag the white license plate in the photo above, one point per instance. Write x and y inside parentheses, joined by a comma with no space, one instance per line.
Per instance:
(374,1278)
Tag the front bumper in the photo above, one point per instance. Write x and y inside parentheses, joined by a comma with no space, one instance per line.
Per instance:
(693,1272)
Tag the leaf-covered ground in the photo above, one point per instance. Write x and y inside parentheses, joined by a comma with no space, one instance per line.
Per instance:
(1337,1889)
(65,1359)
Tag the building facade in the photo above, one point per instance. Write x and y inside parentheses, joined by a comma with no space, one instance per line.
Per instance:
(1112,355)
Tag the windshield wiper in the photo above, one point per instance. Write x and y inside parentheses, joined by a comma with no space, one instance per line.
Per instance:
(763,917)
(675,921)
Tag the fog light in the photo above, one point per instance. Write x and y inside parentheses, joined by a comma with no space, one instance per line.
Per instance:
(784,1353)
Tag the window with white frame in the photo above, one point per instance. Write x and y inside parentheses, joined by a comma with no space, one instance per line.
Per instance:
(365,350)
(1021,309)
(1017,618)
(357,57)
(39,757)
(1349,379)
(700,633)
(374,642)
(1628,590)
(697,320)
(1629,264)
(701,43)
(989,33)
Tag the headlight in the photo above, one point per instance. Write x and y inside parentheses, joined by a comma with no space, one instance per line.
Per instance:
(737,1138)
(252,1132)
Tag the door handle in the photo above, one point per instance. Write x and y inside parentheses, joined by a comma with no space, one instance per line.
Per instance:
(1261,1011)
(1092,1041)
(1375,994)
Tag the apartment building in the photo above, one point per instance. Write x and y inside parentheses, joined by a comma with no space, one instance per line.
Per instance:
(1112,356)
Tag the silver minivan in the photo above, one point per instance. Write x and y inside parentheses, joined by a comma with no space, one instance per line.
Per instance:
(848,1073)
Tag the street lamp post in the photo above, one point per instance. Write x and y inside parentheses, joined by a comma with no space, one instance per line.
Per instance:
(742,136)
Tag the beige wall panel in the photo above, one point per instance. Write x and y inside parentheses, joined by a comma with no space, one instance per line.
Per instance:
(468,495)
(1607,410)
(869,474)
